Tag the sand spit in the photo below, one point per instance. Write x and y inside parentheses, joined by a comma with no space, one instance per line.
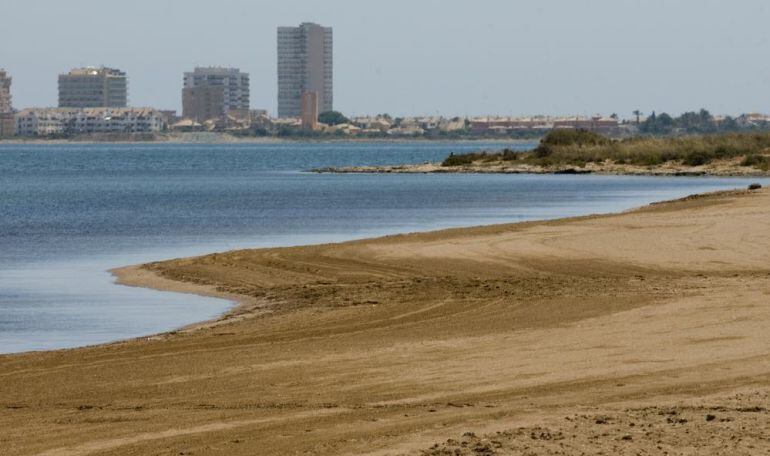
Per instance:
(637,333)
(721,168)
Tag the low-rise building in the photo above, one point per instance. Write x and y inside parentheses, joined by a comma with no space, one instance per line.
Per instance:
(7,124)
(379,123)
(753,119)
(406,130)
(169,116)
(186,125)
(345,128)
(455,124)
(595,123)
(40,122)
(70,121)
(203,103)
(505,125)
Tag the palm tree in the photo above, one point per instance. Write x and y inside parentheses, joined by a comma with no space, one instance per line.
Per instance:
(638,115)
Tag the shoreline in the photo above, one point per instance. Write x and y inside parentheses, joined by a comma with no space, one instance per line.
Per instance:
(617,332)
(140,276)
(668,170)
(215,139)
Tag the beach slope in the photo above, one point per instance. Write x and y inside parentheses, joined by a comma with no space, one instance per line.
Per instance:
(633,333)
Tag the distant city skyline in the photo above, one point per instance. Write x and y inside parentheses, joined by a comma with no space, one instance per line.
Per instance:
(416,58)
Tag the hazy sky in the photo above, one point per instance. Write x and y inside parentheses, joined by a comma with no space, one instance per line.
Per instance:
(463,57)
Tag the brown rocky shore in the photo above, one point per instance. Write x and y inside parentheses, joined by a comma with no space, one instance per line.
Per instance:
(722,168)
(636,333)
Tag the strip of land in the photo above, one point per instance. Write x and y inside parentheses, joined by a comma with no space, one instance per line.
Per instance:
(637,333)
(721,168)
(585,152)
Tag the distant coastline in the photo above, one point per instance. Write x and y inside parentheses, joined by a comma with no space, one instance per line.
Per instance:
(225,138)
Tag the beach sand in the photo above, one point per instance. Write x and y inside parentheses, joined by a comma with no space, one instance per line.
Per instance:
(637,333)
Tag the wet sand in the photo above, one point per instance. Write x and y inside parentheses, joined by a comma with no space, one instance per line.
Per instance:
(636,333)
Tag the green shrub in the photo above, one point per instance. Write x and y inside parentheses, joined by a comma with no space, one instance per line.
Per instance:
(543,150)
(574,137)
(724,151)
(756,161)
(332,118)
(509,155)
(463,159)
(697,158)
(650,160)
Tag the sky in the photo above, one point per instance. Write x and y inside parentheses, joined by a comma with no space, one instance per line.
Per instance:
(415,57)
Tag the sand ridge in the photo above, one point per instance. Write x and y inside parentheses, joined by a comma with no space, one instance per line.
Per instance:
(414,344)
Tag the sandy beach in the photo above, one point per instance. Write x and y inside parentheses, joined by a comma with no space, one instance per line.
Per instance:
(636,333)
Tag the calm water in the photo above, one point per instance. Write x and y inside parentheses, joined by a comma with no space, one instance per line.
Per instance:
(68,213)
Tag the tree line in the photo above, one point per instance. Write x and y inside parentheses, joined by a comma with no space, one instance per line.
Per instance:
(701,122)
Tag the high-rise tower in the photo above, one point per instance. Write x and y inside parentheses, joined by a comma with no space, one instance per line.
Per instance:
(305,64)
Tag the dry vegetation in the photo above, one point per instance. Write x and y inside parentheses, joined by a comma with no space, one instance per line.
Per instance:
(579,148)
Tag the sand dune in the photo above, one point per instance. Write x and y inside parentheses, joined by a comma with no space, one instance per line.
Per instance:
(634,333)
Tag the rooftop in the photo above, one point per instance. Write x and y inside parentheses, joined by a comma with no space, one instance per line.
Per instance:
(216,70)
(95,71)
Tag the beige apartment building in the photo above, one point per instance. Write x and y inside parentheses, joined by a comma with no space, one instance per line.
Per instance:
(305,64)
(203,103)
(212,92)
(7,124)
(93,88)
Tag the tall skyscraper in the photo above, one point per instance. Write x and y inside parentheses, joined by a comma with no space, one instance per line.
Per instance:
(213,91)
(5,92)
(305,64)
(93,88)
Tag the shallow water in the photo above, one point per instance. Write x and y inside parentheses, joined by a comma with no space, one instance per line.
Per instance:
(69,213)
